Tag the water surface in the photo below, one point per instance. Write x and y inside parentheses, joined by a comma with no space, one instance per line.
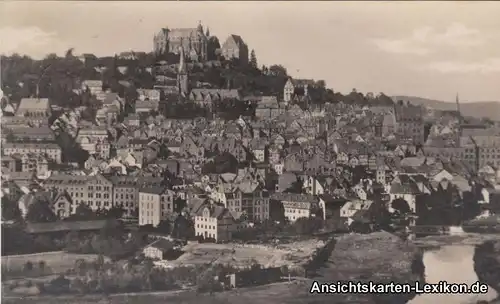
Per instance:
(453,264)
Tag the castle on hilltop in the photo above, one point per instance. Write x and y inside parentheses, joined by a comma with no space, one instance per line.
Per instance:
(194,42)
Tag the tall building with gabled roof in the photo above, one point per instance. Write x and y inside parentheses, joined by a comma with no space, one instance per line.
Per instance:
(235,47)
(193,40)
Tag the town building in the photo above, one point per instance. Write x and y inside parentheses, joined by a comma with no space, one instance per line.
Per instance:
(410,123)
(297,205)
(94,139)
(249,198)
(93,86)
(50,150)
(74,185)
(34,108)
(149,94)
(268,108)
(215,222)
(149,206)
(295,87)
(126,194)
(192,40)
(159,249)
(156,203)
(31,134)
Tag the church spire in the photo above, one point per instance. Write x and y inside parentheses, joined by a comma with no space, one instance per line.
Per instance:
(182,75)
(457,100)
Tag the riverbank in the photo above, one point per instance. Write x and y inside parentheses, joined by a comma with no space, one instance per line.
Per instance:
(379,257)
(487,263)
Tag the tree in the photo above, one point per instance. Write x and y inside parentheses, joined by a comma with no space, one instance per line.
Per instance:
(69,53)
(278,70)
(164,153)
(28,266)
(321,84)
(81,266)
(83,212)
(183,228)
(253,59)
(42,265)
(401,206)
(99,263)
(164,227)
(383,99)
(10,210)
(401,211)
(179,204)
(296,186)
(40,212)
(114,212)
(307,225)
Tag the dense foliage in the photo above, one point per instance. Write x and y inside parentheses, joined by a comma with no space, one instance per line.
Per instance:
(58,77)
(134,275)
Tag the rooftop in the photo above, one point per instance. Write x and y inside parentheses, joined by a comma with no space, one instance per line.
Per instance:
(33,104)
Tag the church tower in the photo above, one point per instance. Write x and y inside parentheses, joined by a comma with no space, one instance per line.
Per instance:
(458,109)
(182,75)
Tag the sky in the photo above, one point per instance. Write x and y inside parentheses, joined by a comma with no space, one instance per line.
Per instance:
(425,49)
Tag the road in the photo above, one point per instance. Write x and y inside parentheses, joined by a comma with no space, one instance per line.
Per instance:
(100,296)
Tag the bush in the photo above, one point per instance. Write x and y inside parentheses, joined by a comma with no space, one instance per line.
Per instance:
(27,283)
(13,285)
(40,286)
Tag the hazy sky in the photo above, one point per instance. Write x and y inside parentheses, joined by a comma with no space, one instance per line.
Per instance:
(426,49)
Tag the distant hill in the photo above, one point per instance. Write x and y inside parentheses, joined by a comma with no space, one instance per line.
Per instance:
(479,109)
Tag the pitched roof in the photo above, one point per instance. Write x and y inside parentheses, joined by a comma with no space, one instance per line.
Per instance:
(33,104)
(153,190)
(216,211)
(39,131)
(182,32)
(110,97)
(31,145)
(68,226)
(236,38)
(162,244)
(294,197)
(92,83)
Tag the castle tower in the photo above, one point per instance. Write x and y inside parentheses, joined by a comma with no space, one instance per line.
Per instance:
(202,38)
(182,75)
(200,27)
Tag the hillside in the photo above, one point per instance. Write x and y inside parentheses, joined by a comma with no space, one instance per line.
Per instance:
(479,109)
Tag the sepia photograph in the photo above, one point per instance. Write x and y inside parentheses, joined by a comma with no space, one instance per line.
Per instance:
(244,152)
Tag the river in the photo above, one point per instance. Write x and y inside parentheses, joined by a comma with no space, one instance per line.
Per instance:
(453,264)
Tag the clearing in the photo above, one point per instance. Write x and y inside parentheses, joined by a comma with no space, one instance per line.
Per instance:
(291,254)
(57,262)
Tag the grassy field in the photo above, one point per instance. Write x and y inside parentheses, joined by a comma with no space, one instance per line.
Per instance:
(269,256)
(58,262)
(275,293)
(281,293)
(377,257)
